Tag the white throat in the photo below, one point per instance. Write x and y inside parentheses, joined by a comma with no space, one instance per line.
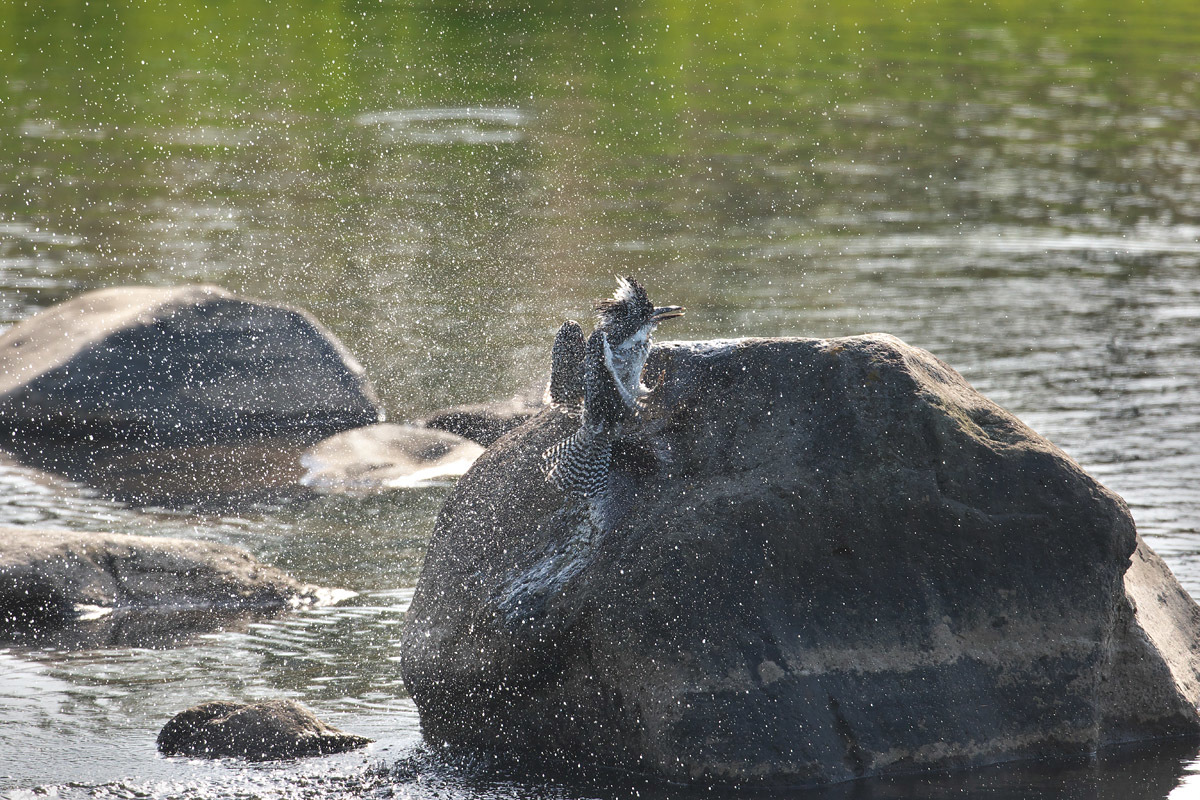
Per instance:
(627,362)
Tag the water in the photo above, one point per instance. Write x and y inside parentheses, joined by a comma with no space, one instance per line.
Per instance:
(1015,187)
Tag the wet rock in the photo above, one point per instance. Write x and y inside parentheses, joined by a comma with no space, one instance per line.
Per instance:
(483,423)
(386,456)
(52,578)
(830,559)
(270,730)
(122,387)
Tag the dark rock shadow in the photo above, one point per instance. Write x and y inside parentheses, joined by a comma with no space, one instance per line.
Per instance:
(211,476)
(1141,772)
(154,629)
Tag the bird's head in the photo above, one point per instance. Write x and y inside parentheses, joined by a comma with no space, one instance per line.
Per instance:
(629,310)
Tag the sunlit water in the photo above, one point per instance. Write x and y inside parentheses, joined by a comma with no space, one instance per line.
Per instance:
(1015,188)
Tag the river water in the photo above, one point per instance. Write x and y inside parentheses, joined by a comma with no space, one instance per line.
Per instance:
(1013,186)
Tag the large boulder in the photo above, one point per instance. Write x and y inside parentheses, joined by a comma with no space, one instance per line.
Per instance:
(830,559)
(131,387)
(51,578)
(272,729)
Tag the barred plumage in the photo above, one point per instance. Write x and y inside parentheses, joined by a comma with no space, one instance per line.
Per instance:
(578,465)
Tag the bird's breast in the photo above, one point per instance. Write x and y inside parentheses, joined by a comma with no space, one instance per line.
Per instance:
(629,357)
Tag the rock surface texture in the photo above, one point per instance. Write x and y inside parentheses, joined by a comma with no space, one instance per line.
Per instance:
(182,365)
(834,559)
(54,577)
(258,732)
(221,391)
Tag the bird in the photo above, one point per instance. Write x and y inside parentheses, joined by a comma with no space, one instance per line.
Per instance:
(603,389)
(578,465)
(627,320)
(565,390)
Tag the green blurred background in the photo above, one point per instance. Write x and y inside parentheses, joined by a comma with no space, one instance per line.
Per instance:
(740,157)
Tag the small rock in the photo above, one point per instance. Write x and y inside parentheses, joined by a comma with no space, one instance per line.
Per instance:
(258,732)
(50,578)
(482,423)
(386,456)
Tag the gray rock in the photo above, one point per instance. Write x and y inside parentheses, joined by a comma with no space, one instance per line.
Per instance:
(832,559)
(261,731)
(138,369)
(483,423)
(386,456)
(50,578)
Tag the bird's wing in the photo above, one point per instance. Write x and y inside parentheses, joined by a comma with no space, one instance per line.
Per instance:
(565,389)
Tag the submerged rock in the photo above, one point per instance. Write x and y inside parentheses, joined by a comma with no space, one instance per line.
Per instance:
(258,732)
(121,387)
(144,627)
(834,559)
(386,456)
(483,423)
(51,578)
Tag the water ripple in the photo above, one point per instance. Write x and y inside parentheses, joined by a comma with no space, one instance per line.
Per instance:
(450,125)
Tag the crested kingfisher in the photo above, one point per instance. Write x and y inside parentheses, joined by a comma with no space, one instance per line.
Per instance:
(627,320)
(603,388)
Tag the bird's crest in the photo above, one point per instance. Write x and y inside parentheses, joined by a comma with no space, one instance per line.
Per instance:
(629,295)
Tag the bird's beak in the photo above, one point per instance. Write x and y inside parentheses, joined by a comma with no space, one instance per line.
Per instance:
(666,312)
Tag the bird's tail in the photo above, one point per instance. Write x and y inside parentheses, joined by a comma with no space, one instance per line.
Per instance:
(578,465)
